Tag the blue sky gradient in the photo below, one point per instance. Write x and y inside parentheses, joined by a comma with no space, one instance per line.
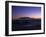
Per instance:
(25,11)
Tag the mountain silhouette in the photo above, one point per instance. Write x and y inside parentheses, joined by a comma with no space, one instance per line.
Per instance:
(26,23)
(24,18)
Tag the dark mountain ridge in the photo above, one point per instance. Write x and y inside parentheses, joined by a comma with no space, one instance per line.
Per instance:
(27,18)
(25,23)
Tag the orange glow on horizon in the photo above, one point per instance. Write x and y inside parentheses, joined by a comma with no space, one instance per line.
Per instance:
(36,17)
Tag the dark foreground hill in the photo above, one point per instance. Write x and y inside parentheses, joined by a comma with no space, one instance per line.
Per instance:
(26,23)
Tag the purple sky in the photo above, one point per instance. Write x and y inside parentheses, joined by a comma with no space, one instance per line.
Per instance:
(25,11)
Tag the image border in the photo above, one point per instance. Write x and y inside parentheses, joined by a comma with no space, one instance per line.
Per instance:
(7,17)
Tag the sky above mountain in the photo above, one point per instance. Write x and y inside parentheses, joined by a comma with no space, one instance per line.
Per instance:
(25,11)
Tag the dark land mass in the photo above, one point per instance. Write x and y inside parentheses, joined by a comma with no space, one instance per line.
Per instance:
(26,23)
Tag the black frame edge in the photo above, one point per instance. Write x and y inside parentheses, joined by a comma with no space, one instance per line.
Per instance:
(6,18)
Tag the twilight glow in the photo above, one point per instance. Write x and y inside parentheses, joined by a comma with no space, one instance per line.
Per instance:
(25,11)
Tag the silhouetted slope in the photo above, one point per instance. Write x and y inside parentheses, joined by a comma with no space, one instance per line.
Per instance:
(26,23)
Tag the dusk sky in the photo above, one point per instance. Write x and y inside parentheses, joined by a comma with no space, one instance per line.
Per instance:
(25,11)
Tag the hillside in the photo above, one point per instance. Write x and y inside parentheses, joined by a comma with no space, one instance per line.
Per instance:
(26,23)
